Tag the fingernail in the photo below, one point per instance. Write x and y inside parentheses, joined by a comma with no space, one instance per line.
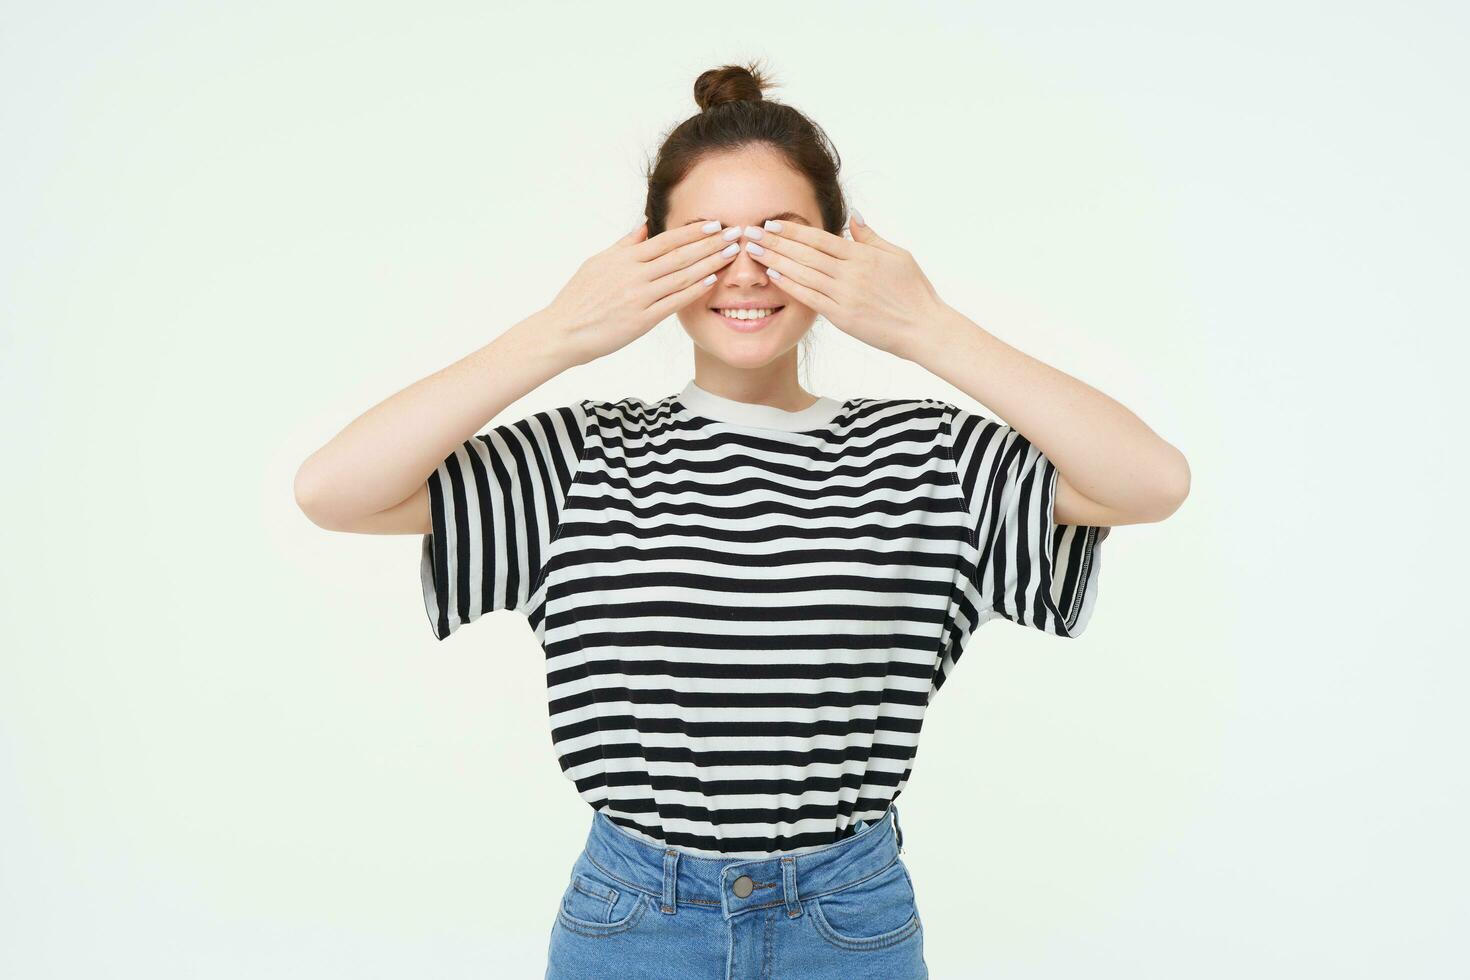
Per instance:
(709,278)
(775,273)
(773,225)
(710,227)
(751,231)
(732,233)
(730,249)
(857,218)
(754,249)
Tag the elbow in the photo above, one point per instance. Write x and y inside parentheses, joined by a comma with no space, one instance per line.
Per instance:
(310,498)
(1162,492)
(1172,485)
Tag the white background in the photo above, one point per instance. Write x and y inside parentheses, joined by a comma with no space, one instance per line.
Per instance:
(230,746)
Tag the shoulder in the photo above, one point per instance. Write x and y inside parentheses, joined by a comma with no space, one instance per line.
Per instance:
(629,413)
(954,426)
(911,402)
(903,412)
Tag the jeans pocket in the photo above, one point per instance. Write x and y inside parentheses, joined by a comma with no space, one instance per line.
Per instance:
(875,913)
(594,904)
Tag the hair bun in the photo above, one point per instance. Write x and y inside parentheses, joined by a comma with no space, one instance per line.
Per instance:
(730,83)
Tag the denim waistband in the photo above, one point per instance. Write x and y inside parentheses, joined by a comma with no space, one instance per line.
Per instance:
(675,877)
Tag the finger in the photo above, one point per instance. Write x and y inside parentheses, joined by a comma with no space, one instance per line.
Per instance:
(791,269)
(863,233)
(812,237)
(686,255)
(638,234)
(676,301)
(810,257)
(804,295)
(682,278)
(672,238)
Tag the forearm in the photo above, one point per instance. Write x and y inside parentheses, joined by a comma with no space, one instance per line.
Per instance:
(1102,449)
(385,454)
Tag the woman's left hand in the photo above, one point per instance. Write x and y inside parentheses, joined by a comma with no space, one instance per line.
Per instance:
(868,288)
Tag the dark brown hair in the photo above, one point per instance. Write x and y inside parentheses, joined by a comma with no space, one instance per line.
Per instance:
(734,114)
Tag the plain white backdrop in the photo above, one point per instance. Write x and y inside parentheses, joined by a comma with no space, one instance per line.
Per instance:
(230,746)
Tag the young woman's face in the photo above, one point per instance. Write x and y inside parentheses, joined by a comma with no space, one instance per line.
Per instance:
(744,187)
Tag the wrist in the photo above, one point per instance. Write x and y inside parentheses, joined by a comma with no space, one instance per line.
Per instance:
(933,342)
(542,339)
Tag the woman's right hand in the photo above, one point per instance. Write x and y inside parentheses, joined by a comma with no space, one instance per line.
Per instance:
(628,288)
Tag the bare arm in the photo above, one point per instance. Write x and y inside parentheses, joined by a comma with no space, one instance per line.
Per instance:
(1111,467)
(371,476)
(1114,469)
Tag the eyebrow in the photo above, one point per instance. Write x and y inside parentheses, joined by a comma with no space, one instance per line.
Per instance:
(783,216)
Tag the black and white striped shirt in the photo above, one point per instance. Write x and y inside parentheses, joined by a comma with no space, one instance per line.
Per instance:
(745,611)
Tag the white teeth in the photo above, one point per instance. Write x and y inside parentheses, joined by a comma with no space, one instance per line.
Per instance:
(746,314)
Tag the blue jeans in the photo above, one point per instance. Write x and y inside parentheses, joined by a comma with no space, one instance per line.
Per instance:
(637,911)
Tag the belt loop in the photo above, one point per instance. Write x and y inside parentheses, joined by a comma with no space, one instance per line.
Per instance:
(788,879)
(671,873)
(897,829)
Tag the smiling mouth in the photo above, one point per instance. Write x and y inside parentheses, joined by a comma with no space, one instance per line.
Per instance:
(745,319)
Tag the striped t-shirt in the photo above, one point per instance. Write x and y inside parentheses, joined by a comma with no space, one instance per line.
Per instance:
(745,611)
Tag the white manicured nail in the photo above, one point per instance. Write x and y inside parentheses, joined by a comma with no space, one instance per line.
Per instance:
(710,227)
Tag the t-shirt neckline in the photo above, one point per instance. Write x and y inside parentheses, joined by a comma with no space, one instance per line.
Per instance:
(707,404)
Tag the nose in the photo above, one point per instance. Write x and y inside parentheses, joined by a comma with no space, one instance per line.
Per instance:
(743,269)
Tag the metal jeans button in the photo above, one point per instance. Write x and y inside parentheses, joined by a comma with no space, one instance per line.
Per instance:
(744,886)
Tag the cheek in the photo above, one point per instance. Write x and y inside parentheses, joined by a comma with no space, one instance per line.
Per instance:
(798,319)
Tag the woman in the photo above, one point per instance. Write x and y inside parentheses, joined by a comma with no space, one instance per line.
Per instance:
(747,593)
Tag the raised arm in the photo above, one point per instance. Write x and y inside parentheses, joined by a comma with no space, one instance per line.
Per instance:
(370,477)
(1113,468)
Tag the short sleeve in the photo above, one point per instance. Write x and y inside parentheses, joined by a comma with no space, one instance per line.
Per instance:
(495,505)
(1026,567)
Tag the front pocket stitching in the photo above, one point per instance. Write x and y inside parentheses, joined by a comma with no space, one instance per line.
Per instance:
(598,930)
(579,882)
(871,942)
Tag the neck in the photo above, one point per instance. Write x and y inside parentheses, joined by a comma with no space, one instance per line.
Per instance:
(774,384)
